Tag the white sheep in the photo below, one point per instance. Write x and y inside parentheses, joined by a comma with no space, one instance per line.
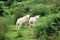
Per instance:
(33,19)
(22,20)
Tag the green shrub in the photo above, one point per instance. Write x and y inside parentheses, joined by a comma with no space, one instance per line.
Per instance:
(9,18)
(22,6)
(2,5)
(48,27)
(19,9)
(38,1)
(3,28)
(56,22)
(53,8)
(39,9)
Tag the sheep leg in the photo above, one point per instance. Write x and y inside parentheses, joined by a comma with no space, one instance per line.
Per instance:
(29,23)
(33,24)
(17,25)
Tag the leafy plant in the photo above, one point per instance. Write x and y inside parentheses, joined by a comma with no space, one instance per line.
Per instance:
(39,9)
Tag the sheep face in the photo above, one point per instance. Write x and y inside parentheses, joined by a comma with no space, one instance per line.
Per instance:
(27,16)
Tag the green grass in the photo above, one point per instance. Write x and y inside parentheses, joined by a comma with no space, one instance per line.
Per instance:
(27,33)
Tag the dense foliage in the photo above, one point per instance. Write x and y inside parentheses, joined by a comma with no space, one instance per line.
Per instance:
(46,28)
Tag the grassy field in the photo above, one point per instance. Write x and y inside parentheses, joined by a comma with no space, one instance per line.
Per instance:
(24,33)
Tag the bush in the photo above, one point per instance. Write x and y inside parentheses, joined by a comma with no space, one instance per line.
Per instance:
(40,28)
(19,9)
(23,7)
(3,28)
(56,22)
(48,27)
(38,1)
(2,4)
(53,8)
(39,9)
(10,18)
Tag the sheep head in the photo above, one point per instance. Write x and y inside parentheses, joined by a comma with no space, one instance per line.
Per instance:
(37,16)
(27,16)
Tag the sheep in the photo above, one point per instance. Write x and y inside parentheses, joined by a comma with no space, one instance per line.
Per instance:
(33,19)
(22,20)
